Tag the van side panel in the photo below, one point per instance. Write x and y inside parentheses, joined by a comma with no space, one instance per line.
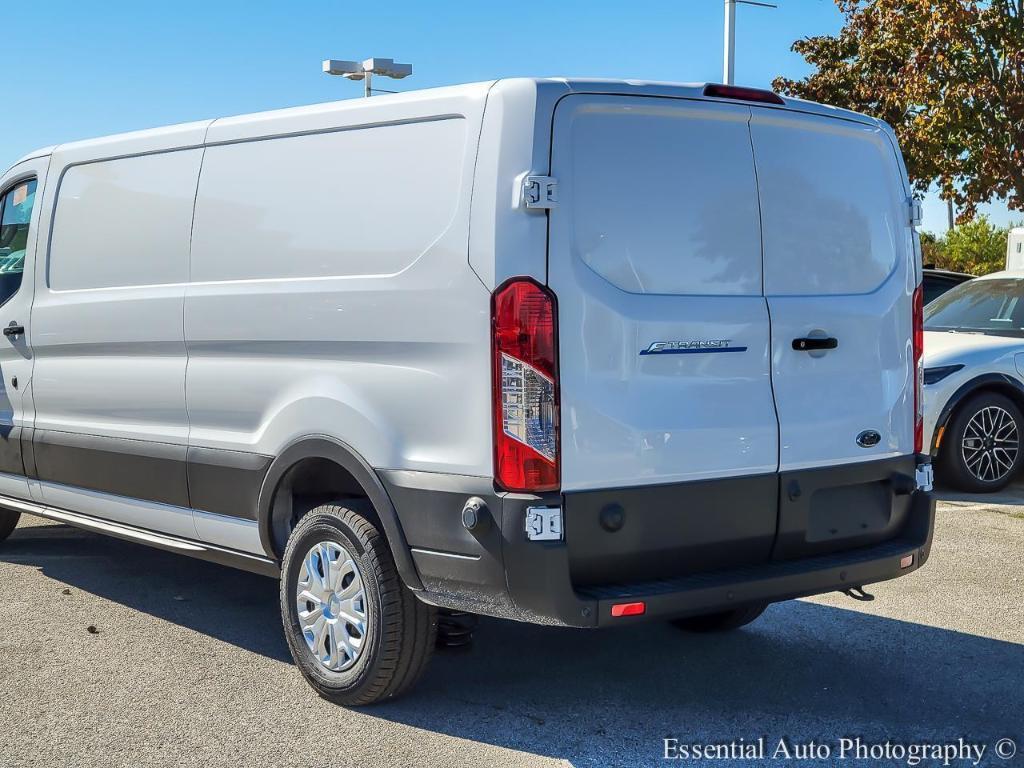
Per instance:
(107,325)
(331,295)
(507,240)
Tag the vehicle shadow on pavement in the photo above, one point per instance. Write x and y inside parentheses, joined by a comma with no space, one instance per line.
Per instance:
(163,584)
(803,671)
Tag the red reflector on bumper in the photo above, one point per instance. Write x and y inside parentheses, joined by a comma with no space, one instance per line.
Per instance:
(906,562)
(628,609)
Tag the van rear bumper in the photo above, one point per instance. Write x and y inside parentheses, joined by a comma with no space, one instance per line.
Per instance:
(497,571)
(540,586)
(710,593)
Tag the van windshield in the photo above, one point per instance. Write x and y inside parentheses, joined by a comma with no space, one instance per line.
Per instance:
(979,306)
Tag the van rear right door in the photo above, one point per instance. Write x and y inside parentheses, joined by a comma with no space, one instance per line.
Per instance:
(837,265)
(839,277)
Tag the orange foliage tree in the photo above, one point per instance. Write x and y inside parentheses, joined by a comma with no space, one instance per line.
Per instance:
(947,75)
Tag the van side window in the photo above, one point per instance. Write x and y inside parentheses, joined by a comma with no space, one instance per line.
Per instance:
(15,214)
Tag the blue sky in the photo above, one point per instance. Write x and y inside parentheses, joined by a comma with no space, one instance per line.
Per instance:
(79,69)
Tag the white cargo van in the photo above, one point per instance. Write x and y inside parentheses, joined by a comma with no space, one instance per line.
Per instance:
(572,352)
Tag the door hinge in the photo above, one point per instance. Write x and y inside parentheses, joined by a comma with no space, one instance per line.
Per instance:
(540,192)
(915,211)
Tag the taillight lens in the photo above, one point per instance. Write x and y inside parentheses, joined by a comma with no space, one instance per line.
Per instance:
(525,369)
(918,369)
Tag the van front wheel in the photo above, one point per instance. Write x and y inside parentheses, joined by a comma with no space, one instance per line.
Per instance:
(355,631)
(722,621)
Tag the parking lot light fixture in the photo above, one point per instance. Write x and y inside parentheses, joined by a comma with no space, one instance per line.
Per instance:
(365,70)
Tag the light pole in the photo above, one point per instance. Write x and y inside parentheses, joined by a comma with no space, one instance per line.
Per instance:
(729,63)
(365,70)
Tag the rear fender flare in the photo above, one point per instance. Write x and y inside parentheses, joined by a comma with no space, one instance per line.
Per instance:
(326,447)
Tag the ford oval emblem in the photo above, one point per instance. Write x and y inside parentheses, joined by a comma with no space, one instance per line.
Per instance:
(868,438)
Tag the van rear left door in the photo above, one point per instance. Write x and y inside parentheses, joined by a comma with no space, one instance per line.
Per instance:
(655,259)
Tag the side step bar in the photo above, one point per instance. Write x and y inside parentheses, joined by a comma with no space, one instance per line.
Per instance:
(203,551)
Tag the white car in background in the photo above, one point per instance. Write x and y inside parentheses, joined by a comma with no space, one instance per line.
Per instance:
(974,382)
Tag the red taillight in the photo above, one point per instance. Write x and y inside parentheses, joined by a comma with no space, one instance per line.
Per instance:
(525,371)
(740,93)
(628,609)
(918,369)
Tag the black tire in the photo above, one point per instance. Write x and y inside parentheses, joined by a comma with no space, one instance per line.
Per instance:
(952,464)
(8,522)
(722,621)
(400,629)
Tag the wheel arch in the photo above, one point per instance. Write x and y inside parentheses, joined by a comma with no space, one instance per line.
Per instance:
(1000,383)
(323,448)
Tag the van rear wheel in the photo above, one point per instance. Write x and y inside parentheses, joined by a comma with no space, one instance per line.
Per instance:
(8,522)
(355,631)
(722,621)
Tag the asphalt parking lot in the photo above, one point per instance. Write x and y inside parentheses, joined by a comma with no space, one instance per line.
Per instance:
(187,665)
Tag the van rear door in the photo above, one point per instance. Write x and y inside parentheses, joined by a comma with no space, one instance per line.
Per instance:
(839,280)
(663,332)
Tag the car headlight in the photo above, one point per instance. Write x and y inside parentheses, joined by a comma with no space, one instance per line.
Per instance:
(935,375)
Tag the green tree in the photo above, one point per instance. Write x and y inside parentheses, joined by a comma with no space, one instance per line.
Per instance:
(977,248)
(947,75)
(931,249)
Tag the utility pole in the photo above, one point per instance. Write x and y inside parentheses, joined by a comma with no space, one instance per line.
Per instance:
(950,213)
(729,61)
(729,64)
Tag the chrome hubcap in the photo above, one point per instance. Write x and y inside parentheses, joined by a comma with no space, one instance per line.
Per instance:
(990,444)
(332,605)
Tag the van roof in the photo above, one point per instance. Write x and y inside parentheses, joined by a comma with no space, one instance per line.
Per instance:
(188,132)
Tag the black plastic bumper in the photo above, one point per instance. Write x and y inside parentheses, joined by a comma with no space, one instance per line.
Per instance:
(539,581)
(706,593)
(495,570)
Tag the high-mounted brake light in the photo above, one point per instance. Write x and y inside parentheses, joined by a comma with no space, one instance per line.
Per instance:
(739,93)
(525,371)
(918,369)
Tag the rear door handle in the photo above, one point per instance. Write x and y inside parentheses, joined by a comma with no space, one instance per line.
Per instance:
(14,330)
(810,345)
